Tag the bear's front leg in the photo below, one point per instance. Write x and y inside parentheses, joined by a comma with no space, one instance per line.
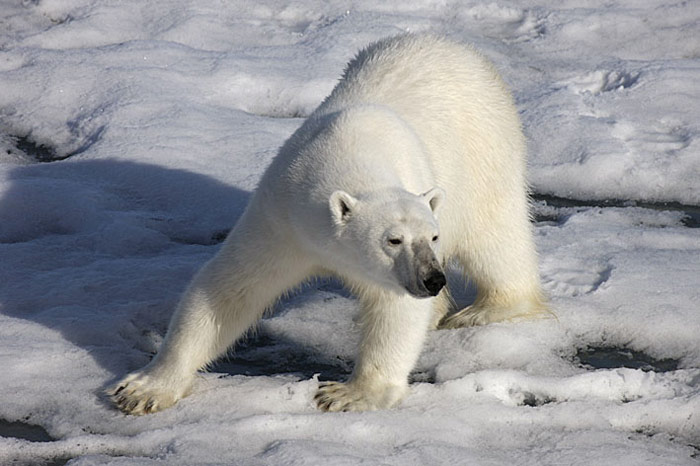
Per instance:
(225,299)
(393,332)
(205,323)
(189,344)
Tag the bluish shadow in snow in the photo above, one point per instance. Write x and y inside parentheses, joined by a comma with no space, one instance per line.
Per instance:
(100,250)
(24,431)
(31,433)
(462,289)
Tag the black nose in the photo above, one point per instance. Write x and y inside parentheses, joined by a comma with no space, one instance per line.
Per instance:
(434,283)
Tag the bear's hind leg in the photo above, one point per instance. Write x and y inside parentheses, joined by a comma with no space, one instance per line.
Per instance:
(503,265)
(225,299)
(443,303)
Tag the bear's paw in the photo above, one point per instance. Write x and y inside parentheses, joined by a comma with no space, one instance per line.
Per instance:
(141,393)
(484,314)
(356,396)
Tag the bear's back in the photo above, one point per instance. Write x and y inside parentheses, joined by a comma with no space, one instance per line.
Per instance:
(422,70)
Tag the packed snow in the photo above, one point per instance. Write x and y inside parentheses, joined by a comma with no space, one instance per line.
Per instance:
(131,136)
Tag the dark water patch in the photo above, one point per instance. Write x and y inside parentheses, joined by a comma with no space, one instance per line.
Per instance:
(613,357)
(691,213)
(262,356)
(45,153)
(696,451)
(534,400)
(422,377)
(39,152)
(56,462)
(24,431)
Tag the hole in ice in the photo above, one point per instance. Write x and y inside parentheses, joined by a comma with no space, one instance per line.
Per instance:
(38,152)
(533,400)
(41,152)
(422,377)
(544,203)
(24,431)
(611,357)
(696,453)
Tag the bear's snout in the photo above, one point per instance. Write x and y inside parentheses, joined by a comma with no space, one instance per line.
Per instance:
(435,282)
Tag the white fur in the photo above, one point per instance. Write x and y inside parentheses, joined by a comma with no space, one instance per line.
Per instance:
(419,129)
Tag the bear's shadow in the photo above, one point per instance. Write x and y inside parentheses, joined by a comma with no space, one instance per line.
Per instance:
(100,250)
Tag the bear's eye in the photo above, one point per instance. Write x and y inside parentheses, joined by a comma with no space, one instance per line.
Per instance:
(395,241)
(435,238)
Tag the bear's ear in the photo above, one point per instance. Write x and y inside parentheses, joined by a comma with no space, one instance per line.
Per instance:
(434,198)
(341,205)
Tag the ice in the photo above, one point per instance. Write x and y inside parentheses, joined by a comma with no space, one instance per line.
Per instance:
(131,136)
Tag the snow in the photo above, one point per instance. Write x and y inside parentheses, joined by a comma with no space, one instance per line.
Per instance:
(158,120)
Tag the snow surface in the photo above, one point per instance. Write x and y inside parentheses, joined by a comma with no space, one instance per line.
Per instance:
(160,118)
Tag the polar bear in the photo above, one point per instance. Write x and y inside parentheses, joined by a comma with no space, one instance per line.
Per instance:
(416,157)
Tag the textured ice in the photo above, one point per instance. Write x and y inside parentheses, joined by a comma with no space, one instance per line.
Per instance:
(131,136)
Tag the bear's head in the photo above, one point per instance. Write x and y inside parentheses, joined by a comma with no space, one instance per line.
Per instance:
(390,238)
